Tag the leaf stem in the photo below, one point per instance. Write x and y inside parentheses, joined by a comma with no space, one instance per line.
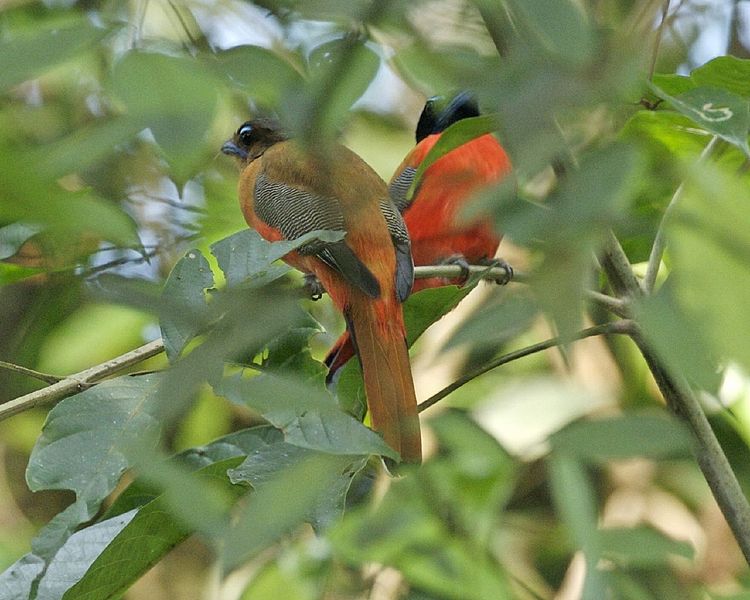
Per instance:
(77,382)
(657,250)
(624,326)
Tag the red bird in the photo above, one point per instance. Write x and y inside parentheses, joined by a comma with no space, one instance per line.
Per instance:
(433,215)
(285,192)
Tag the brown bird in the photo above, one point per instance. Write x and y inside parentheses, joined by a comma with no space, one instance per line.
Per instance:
(432,216)
(287,191)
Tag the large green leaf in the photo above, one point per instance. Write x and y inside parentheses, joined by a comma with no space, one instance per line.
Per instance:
(308,416)
(697,321)
(600,440)
(184,312)
(453,137)
(264,75)
(85,447)
(173,96)
(716,110)
(641,547)
(559,27)
(281,504)
(726,72)
(575,501)
(248,260)
(27,55)
(31,195)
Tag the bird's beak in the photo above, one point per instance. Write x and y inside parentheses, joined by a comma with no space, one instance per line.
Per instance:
(233,149)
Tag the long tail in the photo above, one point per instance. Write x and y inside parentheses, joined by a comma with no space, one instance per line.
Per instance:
(380,343)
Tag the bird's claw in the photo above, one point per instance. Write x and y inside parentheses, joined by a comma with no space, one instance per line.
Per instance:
(499,262)
(460,261)
(313,286)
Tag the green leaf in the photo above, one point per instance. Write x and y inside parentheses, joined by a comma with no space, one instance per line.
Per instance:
(308,416)
(708,241)
(237,444)
(178,105)
(726,72)
(84,447)
(11,273)
(280,505)
(421,528)
(85,146)
(575,503)
(672,83)
(75,556)
(639,547)
(149,534)
(559,27)
(501,318)
(248,260)
(647,435)
(340,71)
(263,74)
(265,464)
(17,580)
(716,110)
(678,338)
(29,55)
(184,313)
(477,480)
(30,195)
(453,137)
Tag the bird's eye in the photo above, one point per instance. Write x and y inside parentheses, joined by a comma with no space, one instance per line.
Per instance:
(245,134)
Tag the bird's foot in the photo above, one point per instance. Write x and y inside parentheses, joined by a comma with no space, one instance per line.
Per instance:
(460,261)
(499,262)
(313,286)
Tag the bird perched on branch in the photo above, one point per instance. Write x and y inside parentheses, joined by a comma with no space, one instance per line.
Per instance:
(287,191)
(432,215)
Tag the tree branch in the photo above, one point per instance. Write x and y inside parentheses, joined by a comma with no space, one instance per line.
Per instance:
(79,381)
(30,372)
(457,271)
(624,326)
(683,403)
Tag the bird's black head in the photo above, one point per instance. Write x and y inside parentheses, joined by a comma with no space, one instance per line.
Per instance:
(253,138)
(440,113)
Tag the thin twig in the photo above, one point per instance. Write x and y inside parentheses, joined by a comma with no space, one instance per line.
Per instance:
(683,403)
(657,41)
(657,250)
(73,384)
(616,306)
(30,372)
(624,326)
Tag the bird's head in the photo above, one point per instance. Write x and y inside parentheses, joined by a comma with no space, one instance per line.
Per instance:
(253,138)
(440,112)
